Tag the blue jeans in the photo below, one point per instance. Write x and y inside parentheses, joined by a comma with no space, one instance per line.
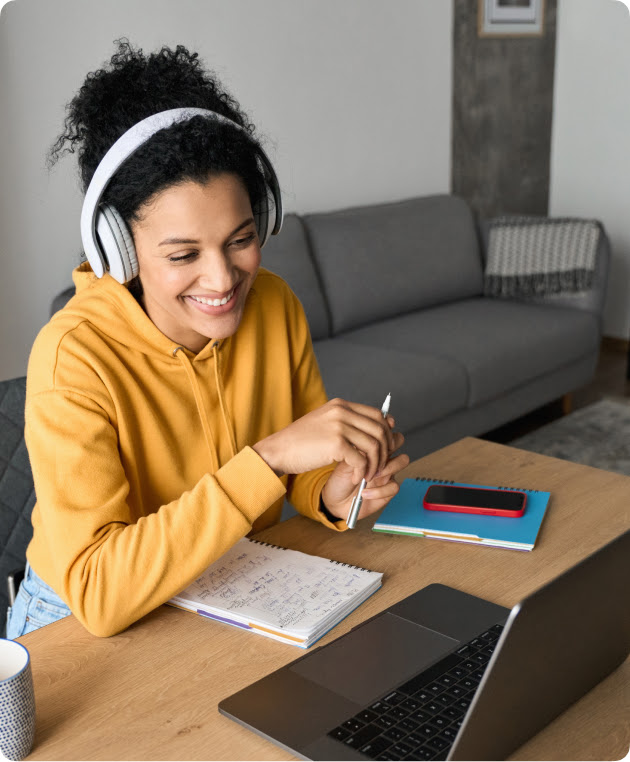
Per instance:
(35,605)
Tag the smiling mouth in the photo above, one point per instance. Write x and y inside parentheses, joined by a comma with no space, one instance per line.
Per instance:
(213,302)
(215,306)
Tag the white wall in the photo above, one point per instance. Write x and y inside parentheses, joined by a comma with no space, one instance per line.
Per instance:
(590,158)
(354,96)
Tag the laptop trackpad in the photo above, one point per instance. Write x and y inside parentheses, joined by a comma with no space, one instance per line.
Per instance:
(368,661)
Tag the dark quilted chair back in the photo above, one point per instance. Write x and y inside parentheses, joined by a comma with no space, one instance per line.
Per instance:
(17,495)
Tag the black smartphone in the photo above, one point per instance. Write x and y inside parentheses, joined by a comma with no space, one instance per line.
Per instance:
(487,501)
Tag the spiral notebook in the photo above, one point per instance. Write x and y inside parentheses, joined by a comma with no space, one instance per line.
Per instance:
(277,592)
(405,514)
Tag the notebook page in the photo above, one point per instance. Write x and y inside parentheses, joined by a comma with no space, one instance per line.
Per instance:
(282,588)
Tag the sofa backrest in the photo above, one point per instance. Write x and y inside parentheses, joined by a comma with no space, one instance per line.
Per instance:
(380,261)
(287,255)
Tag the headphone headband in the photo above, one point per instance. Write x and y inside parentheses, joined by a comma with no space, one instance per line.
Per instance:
(126,145)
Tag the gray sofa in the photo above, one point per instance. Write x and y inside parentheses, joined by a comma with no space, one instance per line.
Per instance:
(394,298)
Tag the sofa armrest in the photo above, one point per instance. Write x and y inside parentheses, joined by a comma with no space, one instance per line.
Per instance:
(591,300)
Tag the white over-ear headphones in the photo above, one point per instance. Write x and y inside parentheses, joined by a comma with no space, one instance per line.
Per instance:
(107,241)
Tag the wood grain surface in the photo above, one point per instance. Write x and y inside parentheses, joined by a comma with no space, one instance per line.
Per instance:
(152,691)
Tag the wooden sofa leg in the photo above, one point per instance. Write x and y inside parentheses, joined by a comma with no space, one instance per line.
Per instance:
(567,403)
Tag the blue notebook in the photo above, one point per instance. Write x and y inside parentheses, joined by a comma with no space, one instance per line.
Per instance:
(405,514)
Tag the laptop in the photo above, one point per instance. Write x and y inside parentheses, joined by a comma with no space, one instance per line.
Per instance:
(446,675)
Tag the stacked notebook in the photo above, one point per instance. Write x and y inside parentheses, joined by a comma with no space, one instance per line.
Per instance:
(405,514)
(280,593)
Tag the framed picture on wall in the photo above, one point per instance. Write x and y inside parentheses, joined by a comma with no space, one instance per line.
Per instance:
(511,18)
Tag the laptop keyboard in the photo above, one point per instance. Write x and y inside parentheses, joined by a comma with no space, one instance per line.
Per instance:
(420,719)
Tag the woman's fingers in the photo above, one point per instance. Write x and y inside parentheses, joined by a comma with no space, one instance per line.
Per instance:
(399,440)
(396,464)
(369,433)
(387,465)
(366,410)
(376,497)
(392,467)
(373,449)
(383,488)
(355,459)
(368,419)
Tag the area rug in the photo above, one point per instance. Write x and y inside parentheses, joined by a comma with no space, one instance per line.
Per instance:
(597,435)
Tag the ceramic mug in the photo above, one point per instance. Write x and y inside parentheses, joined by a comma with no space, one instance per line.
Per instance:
(17,700)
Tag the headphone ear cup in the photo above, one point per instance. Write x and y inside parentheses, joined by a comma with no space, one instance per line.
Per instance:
(261,220)
(116,244)
(268,212)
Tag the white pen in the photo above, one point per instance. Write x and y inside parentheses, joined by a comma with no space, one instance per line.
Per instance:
(355,506)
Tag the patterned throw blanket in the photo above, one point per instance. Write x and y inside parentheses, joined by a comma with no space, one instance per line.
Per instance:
(531,256)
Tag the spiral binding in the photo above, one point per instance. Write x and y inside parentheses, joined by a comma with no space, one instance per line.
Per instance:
(351,566)
(450,481)
(279,547)
(267,544)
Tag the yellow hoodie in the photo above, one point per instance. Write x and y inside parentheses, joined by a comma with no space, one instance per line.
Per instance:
(141,450)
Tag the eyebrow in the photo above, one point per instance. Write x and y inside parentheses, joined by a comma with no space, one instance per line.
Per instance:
(171,241)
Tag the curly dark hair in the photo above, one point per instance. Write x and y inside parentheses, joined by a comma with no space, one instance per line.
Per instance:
(134,86)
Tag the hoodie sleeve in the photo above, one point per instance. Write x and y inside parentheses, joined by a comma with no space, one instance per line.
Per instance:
(99,549)
(304,490)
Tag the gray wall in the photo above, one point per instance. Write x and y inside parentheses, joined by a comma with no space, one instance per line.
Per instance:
(502,114)
(590,156)
(355,101)
(536,136)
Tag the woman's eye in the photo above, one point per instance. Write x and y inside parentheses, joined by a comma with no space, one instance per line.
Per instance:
(182,257)
(244,241)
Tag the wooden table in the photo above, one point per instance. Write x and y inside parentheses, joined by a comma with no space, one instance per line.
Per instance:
(152,691)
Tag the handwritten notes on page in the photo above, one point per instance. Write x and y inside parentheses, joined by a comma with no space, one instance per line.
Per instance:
(296,595)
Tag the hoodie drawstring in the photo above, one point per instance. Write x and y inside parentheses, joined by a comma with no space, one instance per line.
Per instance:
(201,408)
(226,418)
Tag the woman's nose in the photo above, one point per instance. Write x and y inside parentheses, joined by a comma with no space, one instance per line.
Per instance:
(217,274)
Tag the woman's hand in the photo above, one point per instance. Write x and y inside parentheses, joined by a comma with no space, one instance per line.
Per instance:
(357,437)
(346,432)
(339,490)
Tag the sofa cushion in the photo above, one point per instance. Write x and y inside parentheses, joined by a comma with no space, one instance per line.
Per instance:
(380,261)
(502,344)
(287,255)
(367,374)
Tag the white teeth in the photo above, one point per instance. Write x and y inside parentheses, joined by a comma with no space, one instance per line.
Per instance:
(214,302)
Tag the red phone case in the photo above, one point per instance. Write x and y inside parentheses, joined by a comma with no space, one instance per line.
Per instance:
(472,509)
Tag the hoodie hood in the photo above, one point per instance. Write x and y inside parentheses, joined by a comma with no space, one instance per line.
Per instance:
(117,314)
(113,310)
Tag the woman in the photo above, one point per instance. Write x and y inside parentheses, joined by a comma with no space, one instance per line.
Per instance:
(169,412)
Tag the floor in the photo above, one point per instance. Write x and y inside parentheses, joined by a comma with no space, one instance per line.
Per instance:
(609,381)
